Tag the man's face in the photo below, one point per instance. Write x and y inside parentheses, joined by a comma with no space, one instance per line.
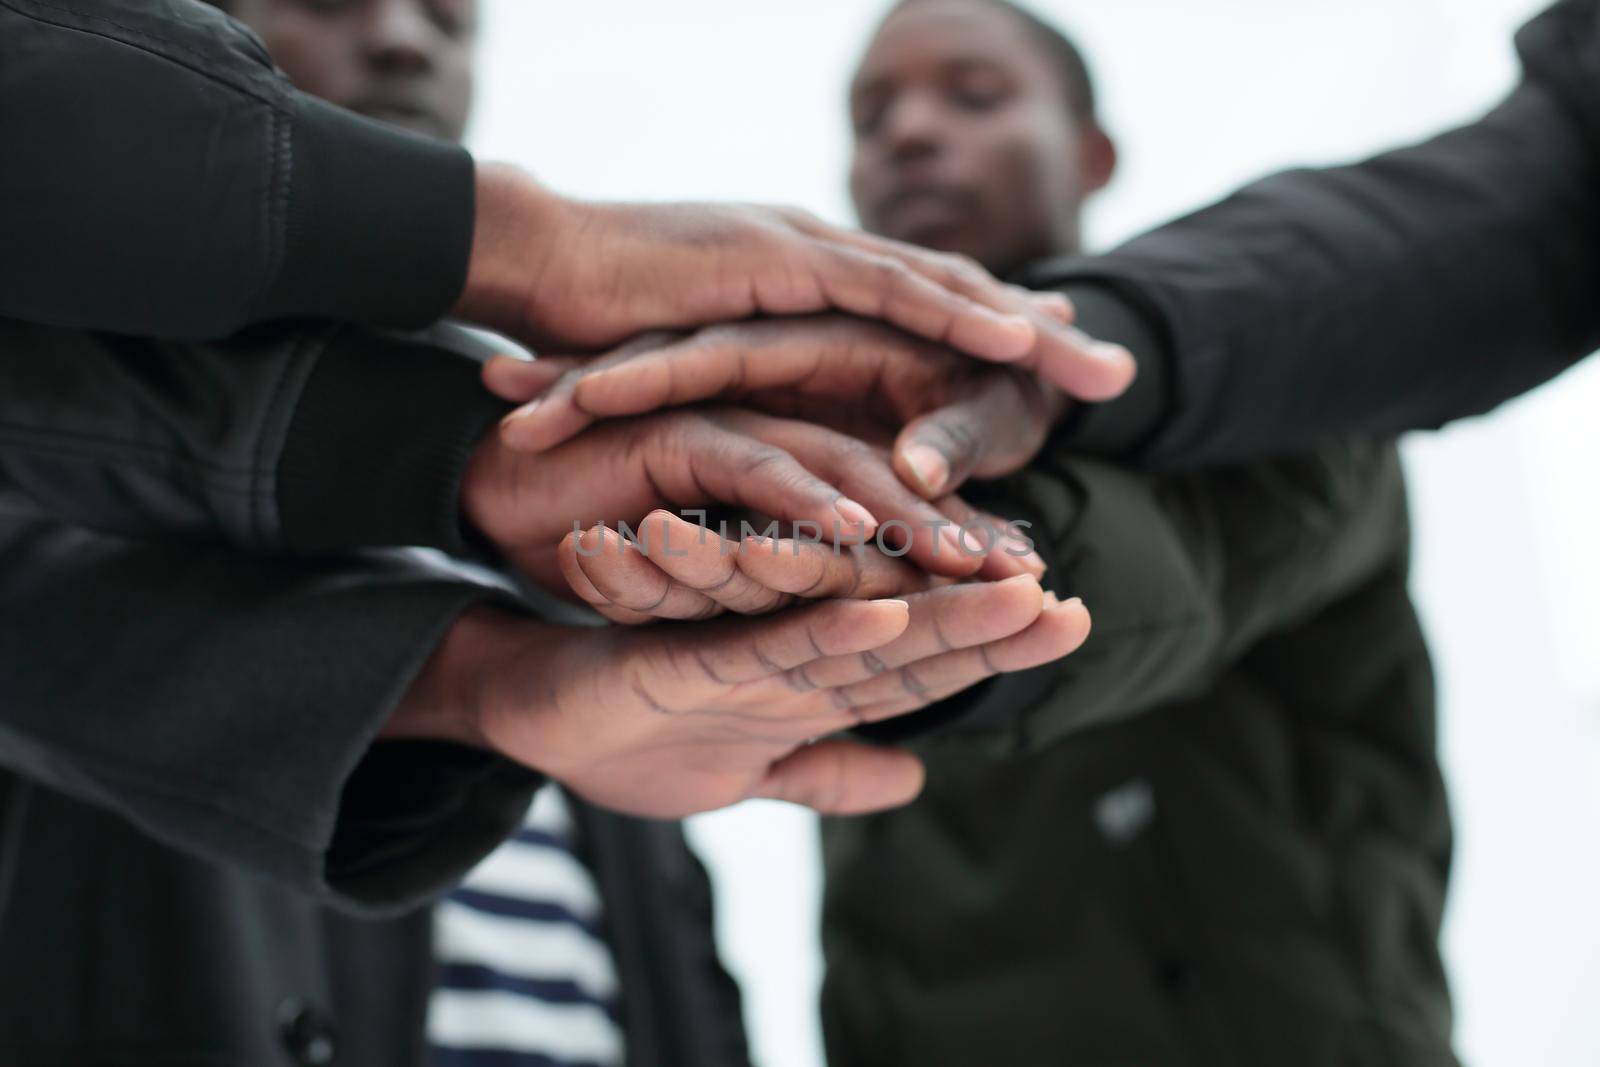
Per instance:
(964,138)
(404,62)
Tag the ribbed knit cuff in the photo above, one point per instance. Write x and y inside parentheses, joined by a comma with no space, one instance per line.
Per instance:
(380,223)
(1106,312)
(378,446)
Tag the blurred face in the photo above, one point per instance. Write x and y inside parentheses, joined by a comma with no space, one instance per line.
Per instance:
(964,138)
(404,62)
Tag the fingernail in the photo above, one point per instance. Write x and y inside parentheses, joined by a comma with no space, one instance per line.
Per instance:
(1033,561)
(1020,324)
(952,540)
(1056,305)
(929,467)
(1076,601)
(1110,353)
(1013,336)
(1021,579)
(891,600)
(1022,550)
(517,354)
(521,413)
(855,514)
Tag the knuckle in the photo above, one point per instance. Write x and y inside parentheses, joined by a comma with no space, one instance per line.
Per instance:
(965,268)
(763,460)
(892,273)
(846,449)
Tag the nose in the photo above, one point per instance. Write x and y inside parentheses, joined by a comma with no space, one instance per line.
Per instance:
(913,128)
(400,37)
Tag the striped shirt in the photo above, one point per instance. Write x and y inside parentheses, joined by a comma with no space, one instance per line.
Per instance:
(525,978)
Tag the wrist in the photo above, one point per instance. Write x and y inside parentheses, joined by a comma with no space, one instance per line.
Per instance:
(515,218)
(446,699)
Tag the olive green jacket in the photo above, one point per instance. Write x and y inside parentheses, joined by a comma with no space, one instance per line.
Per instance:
(1216,835)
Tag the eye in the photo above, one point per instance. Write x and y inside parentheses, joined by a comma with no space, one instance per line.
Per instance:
(866,114)
(979,89)
(453,17)
(977,99)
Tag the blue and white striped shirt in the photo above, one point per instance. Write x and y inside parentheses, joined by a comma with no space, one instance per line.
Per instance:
(525,978)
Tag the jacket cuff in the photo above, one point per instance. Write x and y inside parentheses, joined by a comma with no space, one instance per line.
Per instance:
(414,816)
(378,445)
(1122,426)
(1109,311)
(379,223)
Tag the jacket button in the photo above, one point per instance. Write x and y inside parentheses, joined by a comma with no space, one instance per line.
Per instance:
(308,1035)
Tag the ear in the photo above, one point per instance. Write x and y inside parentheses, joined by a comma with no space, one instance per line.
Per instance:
(1098,159)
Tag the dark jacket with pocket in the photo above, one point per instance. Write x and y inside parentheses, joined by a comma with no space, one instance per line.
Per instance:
(204,855)
(1216,836)
(206,859)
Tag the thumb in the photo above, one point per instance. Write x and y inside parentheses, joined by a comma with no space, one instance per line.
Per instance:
(840,777)
(996,428)
(936,452)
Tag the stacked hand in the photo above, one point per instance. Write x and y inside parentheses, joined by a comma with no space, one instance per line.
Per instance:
(948,418)
(857,432)
(555,272)
(668,721)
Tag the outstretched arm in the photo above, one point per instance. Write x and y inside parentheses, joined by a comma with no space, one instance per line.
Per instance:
(1418,287)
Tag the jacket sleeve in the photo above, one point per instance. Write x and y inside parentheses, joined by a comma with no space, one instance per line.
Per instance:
(1183,575)
(162,178)
(284,439)
(228,706)
(1418,287)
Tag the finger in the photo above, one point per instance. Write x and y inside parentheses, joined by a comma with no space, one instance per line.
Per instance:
(1059,630)
(1080,366)
(732,652)
(713,362)
(993,430)
(627,575)
(1055,305)
(942,620)
(568,557)
(826,572)
(717,361)
(887,287)
(1005,554)
(840,777)
(552,416)
(519,380)
(958,273)
(711,566)
(910,526)
(713,458)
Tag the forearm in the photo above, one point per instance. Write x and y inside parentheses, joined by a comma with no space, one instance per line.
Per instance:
(232,708)
(164,179)
(284,439)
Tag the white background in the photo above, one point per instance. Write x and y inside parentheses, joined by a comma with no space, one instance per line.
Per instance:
(732,99)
